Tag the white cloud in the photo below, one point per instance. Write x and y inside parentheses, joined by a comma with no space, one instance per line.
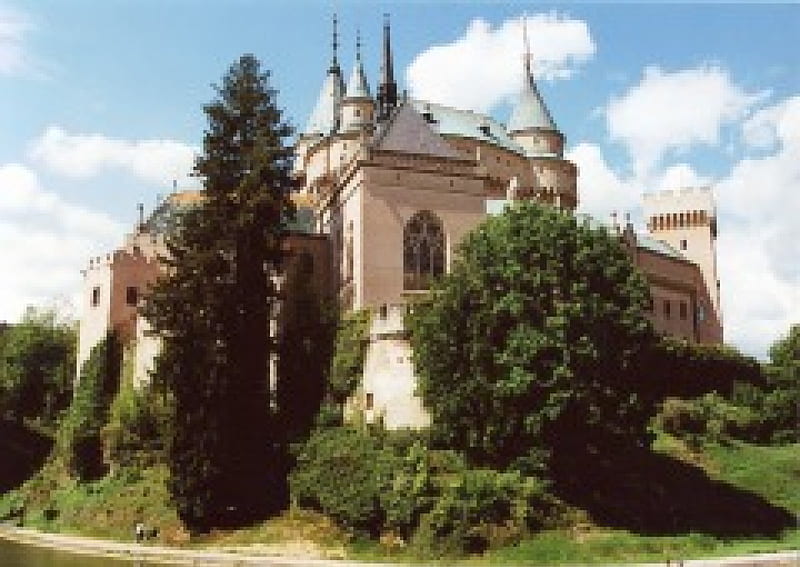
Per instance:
(86,155)
(45,242)
(15,59)
(672,111)
(484,66)
(757,198)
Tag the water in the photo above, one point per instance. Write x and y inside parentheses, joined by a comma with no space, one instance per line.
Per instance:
(14,554)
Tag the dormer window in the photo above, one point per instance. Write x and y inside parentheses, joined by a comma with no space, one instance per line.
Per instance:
(428,116)
(485,130)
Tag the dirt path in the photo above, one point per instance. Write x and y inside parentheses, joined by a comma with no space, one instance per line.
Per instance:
(261,556)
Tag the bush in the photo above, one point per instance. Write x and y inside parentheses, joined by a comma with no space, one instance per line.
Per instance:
(708,419)
(343,472)
(137,427)
(482,508)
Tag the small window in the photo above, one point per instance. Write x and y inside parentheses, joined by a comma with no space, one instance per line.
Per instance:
(649,305)
(136,249)
(384,311)
(667,309)
(95,296)
(683,245)
(683,309)
(357,112)
(369,401)
(701,313)
(131,295)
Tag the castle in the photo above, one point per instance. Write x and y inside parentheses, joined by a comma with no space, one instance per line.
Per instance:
(389,186)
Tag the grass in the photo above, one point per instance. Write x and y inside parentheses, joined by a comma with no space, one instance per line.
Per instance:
(768,476)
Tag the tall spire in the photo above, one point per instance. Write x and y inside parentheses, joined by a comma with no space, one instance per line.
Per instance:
(530,111)
(357,85)
(326,116)
(334,61)
(387,89)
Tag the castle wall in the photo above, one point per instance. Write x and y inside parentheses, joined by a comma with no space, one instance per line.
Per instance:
(391,197)
(129,271)
(95,307)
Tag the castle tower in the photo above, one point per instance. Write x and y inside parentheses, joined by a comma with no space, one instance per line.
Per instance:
(686,219)
(358,108)
(532,127)
(326,116)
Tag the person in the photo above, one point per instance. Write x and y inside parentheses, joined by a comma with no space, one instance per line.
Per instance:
(139,532)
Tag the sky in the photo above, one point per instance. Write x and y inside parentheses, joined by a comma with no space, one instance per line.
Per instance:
(101,107)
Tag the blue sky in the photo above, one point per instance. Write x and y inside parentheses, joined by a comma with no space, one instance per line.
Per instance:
(101,106)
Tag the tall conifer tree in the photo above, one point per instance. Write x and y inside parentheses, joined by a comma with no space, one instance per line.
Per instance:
(213,309)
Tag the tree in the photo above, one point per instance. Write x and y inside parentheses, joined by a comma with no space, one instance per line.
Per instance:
(213,308)
(531,342)
(782,402)
(37,366)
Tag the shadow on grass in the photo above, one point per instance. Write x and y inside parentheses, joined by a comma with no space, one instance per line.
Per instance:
(22,453)
(653,494)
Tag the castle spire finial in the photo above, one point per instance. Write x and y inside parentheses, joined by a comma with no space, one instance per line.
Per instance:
(335,60)
(387,89)
(358,45)
(526,57)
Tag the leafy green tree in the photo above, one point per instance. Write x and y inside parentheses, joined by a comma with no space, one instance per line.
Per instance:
(37,366)
(782,403)
(532,341)
(213,309)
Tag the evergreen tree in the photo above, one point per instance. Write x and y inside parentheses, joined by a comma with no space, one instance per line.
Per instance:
(213,309)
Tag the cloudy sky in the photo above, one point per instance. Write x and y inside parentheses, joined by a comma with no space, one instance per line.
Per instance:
(101,108)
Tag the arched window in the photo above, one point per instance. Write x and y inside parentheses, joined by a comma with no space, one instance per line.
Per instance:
(423,250)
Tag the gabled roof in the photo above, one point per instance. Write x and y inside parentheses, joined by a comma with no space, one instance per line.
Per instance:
(408,132)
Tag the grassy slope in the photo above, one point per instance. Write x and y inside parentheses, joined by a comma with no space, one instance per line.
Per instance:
(772,473)
(110,507)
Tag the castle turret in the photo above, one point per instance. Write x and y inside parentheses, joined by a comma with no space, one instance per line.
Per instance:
(326,117)
(358,108)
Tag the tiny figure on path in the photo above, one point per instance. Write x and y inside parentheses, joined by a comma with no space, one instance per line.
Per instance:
(139,532)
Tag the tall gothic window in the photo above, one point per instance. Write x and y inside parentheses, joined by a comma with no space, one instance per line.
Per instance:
(423,250)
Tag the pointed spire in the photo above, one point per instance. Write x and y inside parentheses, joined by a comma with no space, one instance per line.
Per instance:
(357,85)
(334,61)
(387,89)
(326,116)
(530,111)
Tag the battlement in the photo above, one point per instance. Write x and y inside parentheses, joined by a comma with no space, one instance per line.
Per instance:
(679,200)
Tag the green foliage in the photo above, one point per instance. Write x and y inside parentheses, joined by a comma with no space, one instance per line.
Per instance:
(79,439)
(138,426)
(213,310)
(307,329)
(708,419)
(37,367)
(533,339)
(782,401)
(687,370)
(343,472)
(350,349)
(482,508)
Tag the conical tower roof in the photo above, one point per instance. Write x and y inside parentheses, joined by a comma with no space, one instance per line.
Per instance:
(357,85)
(325,117)
(530,111)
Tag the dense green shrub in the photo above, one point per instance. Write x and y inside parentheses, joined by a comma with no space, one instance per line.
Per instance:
(137,428)
(707,419)
(79,436)
(350,349)
(343,472)
(482,508)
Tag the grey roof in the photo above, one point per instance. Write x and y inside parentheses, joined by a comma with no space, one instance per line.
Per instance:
(324,118)
(658,246)
(357,85)
(466,124)
(530,110)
